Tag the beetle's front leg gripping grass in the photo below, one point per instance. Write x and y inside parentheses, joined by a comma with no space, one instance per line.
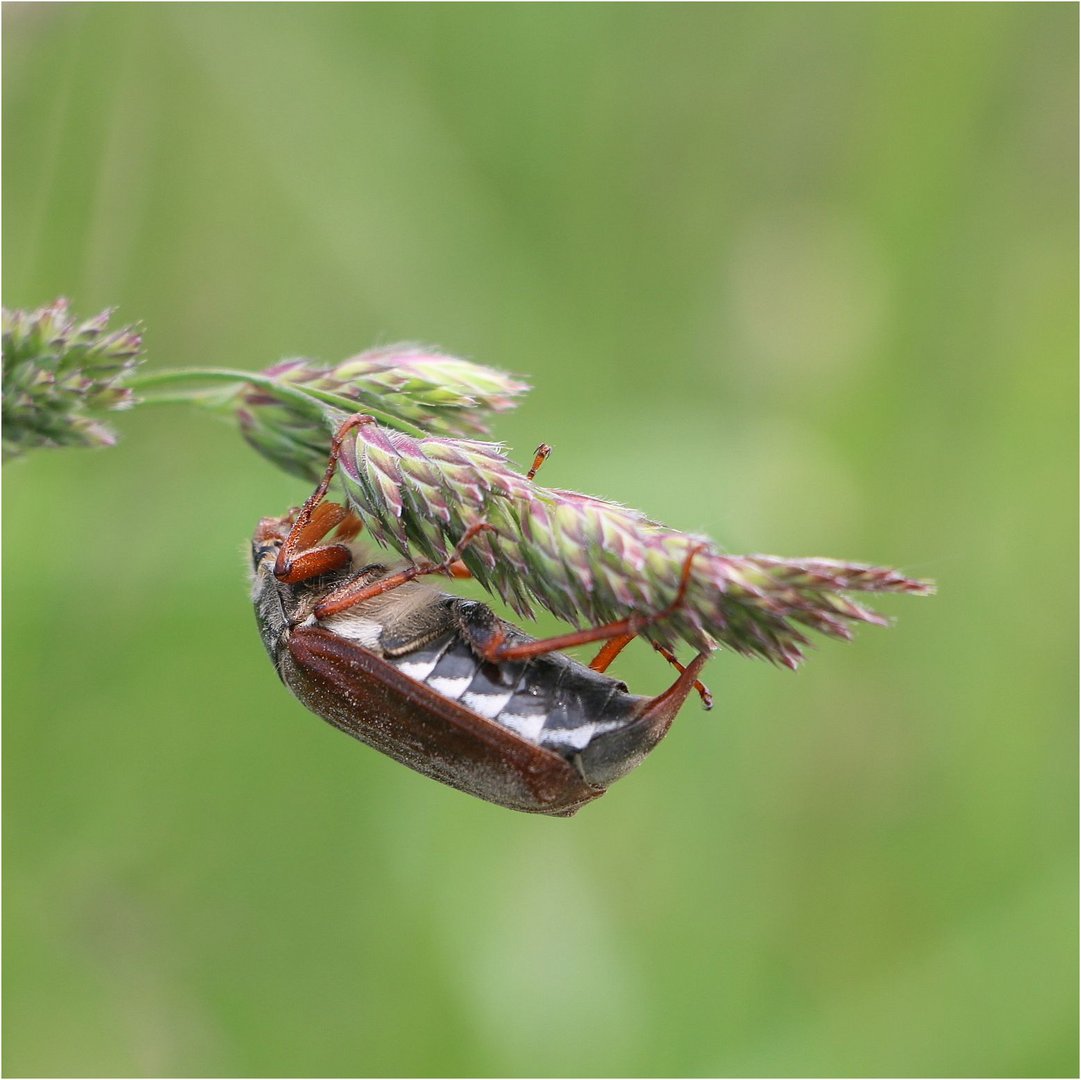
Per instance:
(298,560)
(359,589)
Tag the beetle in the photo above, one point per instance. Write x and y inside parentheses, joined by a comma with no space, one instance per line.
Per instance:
(441,683)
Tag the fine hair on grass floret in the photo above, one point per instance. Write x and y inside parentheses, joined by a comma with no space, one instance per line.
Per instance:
(58,373)
(590,561)
(414,388)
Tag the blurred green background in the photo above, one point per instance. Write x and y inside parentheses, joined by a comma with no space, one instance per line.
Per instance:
(801,277)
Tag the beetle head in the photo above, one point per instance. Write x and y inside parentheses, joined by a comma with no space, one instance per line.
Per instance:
(269,536)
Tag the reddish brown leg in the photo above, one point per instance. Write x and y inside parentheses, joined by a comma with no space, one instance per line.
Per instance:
(495,650)
(661,711)
(617,634)
(298,560)
(703,690)
(611,649)
(612,632)
(356,591)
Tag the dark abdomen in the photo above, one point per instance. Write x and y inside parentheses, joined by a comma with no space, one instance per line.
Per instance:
(550,701)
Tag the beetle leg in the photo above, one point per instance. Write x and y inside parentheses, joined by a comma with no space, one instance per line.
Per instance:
(618,634)
(703,690)
(495,650)
(609,651)
(358,590)
(305,559)
(661,710)
(453,566)
(297,559)
(612,648)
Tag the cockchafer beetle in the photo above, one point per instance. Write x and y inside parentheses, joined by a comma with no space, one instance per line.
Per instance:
(441,683)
